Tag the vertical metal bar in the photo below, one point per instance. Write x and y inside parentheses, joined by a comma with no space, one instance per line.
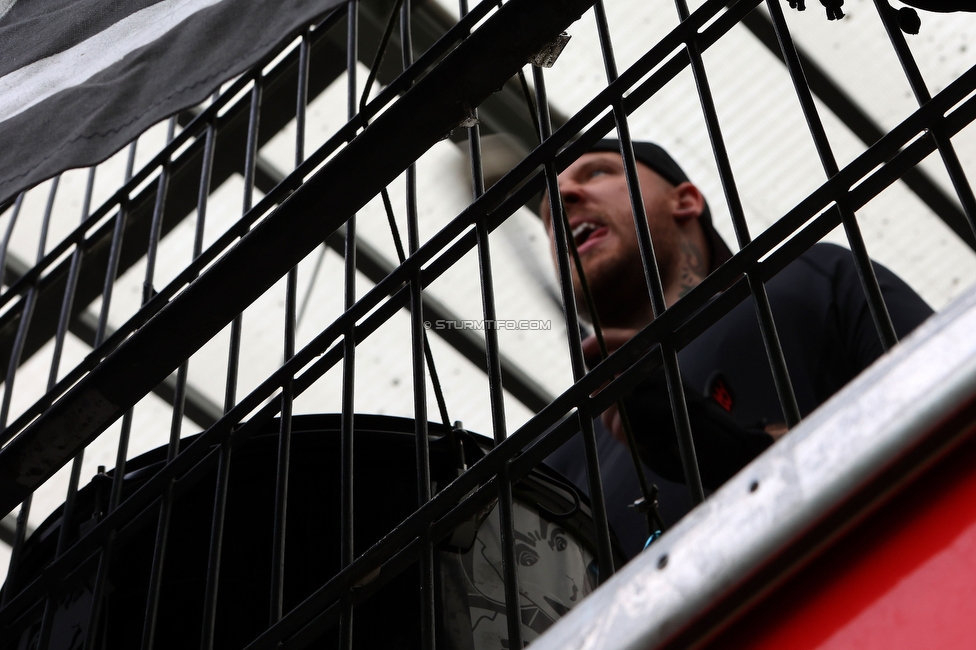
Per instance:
(176,423)
(206,173)
(285,421)
(347,423)
(436,385)
(166,506)
(159,551)
(428,614)
(46,222)
(506,513)
(233,363)
(20,533)
(950,159)
(686,447)
(10,231)
(223,466)
(216,544)
(165,511)
(654,526)
(236,328)
(125,430)
(111,271)
(474,139)
(595,482)
(157,222)
(13,363)
(865,270)
(767,326)
(98,591)
(362,105)
(155,231)
(302,99)
(506,508)
(115,252)
(75,476)
(371,78)
(70,287)
(26,313)
(234,351)
(20,529)
(66,305)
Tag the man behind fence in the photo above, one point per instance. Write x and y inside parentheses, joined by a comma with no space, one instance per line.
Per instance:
(827,332)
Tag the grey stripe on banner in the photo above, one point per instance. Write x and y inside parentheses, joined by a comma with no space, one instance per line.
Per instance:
(32,84)
(5,6)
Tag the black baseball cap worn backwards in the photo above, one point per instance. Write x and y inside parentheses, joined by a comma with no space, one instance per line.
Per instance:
(659,160)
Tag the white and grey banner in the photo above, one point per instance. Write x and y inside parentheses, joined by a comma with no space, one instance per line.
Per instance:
(81,78)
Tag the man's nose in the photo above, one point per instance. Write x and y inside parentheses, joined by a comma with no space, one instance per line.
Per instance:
(571,192)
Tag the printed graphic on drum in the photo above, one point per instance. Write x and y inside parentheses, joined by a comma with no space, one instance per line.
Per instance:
(555,572)
(553,531)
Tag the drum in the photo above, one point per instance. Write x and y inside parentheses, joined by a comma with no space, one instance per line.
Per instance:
(555,547)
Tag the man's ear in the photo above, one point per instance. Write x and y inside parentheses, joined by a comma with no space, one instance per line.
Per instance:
(689,202)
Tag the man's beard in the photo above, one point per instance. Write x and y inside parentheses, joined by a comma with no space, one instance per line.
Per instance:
(619,294)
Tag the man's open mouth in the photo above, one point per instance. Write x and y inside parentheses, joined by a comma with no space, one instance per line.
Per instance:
(587,231)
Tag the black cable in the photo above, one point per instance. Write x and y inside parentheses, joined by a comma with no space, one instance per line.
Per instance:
(388,205)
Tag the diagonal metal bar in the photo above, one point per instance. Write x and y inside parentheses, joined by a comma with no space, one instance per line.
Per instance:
(375,266)
(863,126)
(871,168)
(328,61)
(426,113)
(502,109)
(199,409)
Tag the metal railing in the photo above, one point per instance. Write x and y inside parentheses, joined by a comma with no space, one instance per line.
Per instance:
(437,92)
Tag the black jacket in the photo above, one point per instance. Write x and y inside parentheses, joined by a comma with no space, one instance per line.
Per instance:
(828,337)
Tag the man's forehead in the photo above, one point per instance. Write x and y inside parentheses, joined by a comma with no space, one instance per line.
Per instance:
(586,159)
(593,156)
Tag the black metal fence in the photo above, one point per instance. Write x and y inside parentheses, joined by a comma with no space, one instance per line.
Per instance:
(63,576)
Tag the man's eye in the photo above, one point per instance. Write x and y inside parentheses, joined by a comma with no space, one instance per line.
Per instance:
(597,172)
